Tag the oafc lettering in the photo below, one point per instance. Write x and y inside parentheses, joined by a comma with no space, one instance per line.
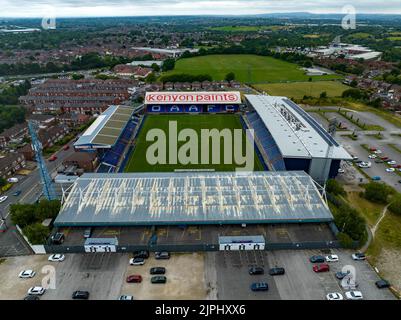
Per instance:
(212,309)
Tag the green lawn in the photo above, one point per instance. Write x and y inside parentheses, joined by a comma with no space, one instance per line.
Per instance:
(247,68)
(138,161)
(298,90)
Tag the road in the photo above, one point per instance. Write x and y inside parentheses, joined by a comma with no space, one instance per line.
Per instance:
(11,243)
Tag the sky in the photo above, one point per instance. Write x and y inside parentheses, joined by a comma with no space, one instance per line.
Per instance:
(99,8)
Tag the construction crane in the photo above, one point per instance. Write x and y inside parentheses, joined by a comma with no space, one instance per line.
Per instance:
(48,189)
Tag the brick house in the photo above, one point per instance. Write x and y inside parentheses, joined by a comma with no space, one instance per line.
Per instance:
(10,164)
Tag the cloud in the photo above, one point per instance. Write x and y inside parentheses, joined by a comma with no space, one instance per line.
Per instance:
(76,8)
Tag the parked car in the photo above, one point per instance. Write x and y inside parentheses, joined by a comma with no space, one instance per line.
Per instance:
(125,298)
(341,170)
(36,291)
(87,233)
(53,158)
(135,278)
(157,270)
(12,180)
(256,270)
(324,267)
(82,295)
(17,193)
(27,274)
(56,257)
(341,275)
(58,238)
(158,279)
(382,284)
(162,255)
(354,295)
(276,271)
(259,286)
(376,178)
(379,161)
(335,296)
(141,254)
(29,297)
(66,147)
(3,198)
(392,162)
(332,258)
(358,256)
(317,259)
(390,169)
(137,261)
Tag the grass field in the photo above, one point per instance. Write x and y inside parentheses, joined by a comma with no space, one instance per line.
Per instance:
(139,163)
(298,90)
(247,68)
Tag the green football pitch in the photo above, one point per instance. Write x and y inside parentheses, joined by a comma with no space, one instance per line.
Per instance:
(139,162)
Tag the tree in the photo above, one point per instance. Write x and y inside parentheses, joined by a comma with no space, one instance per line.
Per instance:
(151,78)
(230,76)
(22,214)
(168,64)
(3,182)
(36,233)
(395,205)
(323,95)
(377,192)
(77,76)
(334,187)
(155,67)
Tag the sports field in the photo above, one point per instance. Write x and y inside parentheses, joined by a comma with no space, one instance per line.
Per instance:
(246,67)
(139,163)
(298,90)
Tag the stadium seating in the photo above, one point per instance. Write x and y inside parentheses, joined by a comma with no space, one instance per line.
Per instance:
(265,141)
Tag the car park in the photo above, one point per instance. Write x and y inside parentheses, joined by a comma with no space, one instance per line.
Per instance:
(317,259)
(27,274)
(332,258)
(259,286)
(358,256)
(17,193)
(157,270)
(56,257)
(81,295)
(162,255)
(137,261)
(125,298)
(36,291)
(3,198)
(135,278)
(324,267)
(354,295)
(334,296)
(276,271)
(158,279)
(350,284)
(141,254)
(381,284)
(256,270)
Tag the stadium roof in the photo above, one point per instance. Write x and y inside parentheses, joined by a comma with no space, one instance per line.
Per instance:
(214,97)
(106,129)
(192,198)
(296,133)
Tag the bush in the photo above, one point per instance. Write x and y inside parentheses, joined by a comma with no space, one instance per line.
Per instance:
(345,240)
(332,186)
(377,192)
(348,221)
(230,76)
(36,233)
(22,214)
(395,205)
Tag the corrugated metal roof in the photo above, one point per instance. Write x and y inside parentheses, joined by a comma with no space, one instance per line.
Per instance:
(193,198)
(296,133)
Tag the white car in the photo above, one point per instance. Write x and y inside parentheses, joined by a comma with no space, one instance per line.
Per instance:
(137,261)
(335,296)
(364,164)
(125,298)
(390,170)
(27,274)
(354,295)
(36,291)
(12,180)
(372,156)
(358,256)
(377,152)
(56,257)
(3,198)
(341,170)
(332,258)
(392,162)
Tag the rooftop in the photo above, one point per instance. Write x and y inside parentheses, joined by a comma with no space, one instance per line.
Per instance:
(296,133)
(192,198)
(107,128)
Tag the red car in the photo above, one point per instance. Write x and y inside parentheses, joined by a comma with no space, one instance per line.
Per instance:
(324,267)
(373,149)
(135,278)
(66,147)
(384,158)
(52,158)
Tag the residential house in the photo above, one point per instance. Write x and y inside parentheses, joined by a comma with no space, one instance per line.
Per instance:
(10,164)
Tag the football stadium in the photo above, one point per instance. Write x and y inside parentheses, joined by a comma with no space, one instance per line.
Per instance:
(131,203)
